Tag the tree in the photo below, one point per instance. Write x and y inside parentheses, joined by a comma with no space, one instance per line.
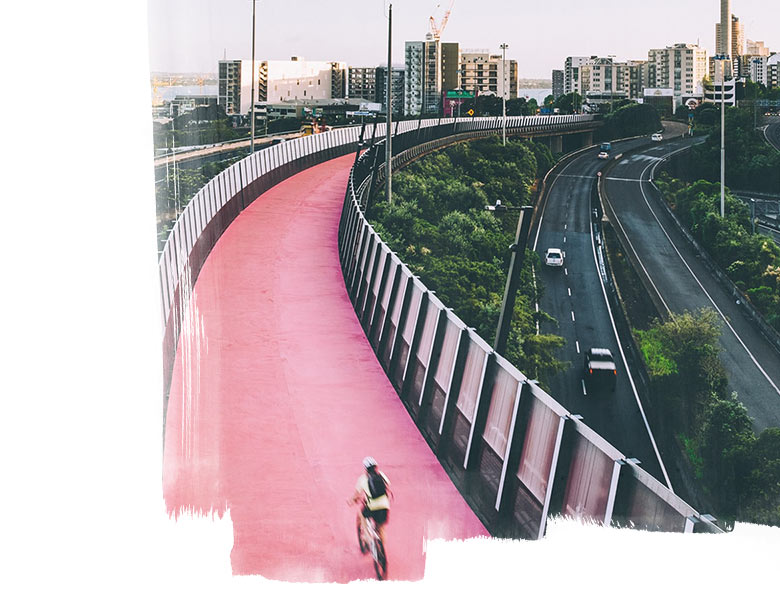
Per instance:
(569,103)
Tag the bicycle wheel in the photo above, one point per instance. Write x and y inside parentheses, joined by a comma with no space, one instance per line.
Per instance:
(361,543)
(380,564)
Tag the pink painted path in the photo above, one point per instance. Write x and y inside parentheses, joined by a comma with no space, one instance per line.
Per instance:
(277,396)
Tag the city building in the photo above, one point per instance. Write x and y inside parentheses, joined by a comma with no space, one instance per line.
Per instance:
(187,103)
(720,81)
(572,76)
(723,29)
(557,83)
(756,49)
(361,83)
(397,88)
(431,69)
(483,73)
(278,81)
(681,68)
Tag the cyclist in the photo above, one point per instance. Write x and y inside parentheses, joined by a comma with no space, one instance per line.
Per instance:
(372,488)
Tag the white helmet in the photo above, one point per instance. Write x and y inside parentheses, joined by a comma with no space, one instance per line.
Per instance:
(369,462)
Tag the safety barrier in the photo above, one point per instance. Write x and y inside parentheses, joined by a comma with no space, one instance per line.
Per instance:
(515,453)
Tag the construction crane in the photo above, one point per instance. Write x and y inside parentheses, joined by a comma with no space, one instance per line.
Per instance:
(437,30)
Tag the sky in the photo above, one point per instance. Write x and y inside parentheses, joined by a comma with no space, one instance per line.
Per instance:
(193,35)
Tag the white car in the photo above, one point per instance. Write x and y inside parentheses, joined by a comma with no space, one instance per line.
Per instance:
(603,155)
(553,257)
(657,137)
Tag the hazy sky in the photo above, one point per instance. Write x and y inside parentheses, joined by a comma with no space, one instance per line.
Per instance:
(192,35)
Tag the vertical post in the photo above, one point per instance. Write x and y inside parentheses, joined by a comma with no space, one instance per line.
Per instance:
(388,142)
(503,90)
(252,95)
(510,291)
(722,137)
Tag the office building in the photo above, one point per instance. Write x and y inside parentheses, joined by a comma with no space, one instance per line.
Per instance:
(756,48)
(723,29)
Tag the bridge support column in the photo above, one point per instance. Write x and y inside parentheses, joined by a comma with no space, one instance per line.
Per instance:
(556,144)
(587,138)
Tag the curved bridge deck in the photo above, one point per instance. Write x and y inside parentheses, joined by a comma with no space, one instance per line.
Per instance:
(276,396)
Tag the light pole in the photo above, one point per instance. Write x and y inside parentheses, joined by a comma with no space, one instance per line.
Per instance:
(722,58)
(515,264)
(252,96)
(503,89)
(388,137)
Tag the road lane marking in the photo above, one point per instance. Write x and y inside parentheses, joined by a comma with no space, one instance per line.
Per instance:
(584,391)
(577,343)
(564,239)
(625,364)
(687,266)
(565,271)
(572,316)
(623,179)
(569,289)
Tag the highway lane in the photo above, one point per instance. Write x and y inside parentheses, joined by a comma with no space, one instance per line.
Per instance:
(772,132)
(685,284)
(574,296)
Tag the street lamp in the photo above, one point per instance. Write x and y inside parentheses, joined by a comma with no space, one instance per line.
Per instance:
(722,58)
(503,88)
(252,143)
(515,263)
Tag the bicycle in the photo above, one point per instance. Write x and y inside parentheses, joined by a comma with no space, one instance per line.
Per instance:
(374,544)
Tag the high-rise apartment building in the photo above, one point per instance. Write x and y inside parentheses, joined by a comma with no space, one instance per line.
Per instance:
(572,75)
(483,73)
(278,81)
(431,69)
(361,83)
(557,83)
(397,85)
(681,68)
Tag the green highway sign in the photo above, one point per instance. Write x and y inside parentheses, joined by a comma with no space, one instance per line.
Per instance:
(459,94)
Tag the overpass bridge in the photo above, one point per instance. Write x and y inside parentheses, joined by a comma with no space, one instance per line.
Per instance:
(290,333)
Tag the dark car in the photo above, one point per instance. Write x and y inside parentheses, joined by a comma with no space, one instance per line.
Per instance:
(600,369)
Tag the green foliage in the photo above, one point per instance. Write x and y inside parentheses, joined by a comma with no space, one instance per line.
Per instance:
(741,471)
(752,261)
(630,119)
(569,103)
(438,226)
(751,164)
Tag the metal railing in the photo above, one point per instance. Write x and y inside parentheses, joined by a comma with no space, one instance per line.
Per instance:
(516,454)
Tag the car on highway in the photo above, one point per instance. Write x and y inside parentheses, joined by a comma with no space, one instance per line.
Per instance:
(603,155)
(600,369)
(657,137)
(553,257)
(606,146)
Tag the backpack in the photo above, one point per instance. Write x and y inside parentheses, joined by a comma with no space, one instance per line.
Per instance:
(376,485)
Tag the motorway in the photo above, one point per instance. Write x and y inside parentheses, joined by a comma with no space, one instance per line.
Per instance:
(685,284)
(772,132)
(575,297)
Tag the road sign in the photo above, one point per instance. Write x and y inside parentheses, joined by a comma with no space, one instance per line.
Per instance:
(470,112)
(459,94)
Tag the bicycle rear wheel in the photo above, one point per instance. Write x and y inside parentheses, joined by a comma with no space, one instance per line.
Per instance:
(380,563)
(361,543)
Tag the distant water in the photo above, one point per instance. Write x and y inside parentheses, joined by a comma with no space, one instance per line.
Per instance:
(168,93)
(539,94)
